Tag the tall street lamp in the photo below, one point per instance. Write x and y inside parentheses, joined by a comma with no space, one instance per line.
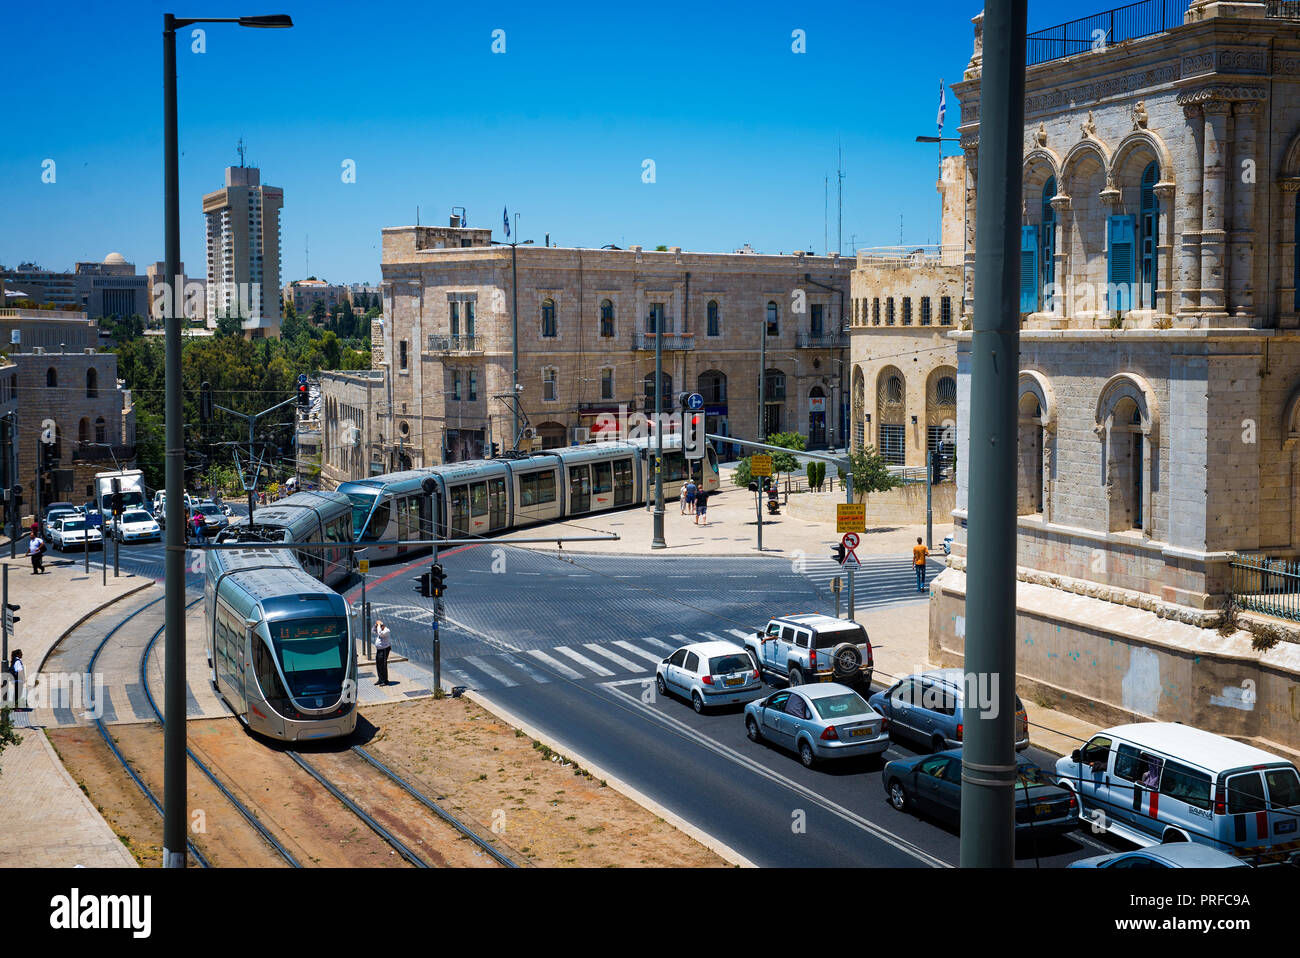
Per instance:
(174,798)
(514,325)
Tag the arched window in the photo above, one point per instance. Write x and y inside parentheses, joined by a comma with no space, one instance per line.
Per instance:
(712,385)
(101,430)
(1149,238)
(92,383)
(1029,498)
(667,392)
(1048,270)
(83,430)
(606,318)
(816,417)
(550,328)
(859,408)
(714,323)
(773,400)
(941,413)
(773,320)
(1128,428)
(891,407)
(51,378)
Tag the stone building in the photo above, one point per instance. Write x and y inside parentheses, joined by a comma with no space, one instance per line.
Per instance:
(905,302)
(53,330)
(587,321)
(1160,365)
(75,399)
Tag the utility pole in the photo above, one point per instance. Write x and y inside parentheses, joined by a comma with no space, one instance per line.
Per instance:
(989,758)
(839,175)
(658,541)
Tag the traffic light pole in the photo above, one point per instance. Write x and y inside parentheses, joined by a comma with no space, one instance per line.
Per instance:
(929,518)
(658,541)
(4,621)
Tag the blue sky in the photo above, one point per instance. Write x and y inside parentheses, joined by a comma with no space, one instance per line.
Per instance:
(741,129)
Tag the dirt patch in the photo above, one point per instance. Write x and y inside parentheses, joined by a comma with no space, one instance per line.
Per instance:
(500,782)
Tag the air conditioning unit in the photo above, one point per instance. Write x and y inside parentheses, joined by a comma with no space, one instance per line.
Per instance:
(350,436)
(529,432)
(581,434)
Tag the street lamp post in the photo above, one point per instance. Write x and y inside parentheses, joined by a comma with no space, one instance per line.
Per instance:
(658,542)
(174,797)
(514,325)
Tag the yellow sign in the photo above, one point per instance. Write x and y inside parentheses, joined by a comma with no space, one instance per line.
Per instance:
(760,465)
(850,517)
(363,565)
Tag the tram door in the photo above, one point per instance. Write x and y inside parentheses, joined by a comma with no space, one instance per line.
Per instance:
(579,489)
(459,512)
(496,504)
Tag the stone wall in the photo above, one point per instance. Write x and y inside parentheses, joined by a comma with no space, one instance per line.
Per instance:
(904,505)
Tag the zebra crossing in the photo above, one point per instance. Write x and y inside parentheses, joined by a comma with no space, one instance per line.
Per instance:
(882,580)
(609,661)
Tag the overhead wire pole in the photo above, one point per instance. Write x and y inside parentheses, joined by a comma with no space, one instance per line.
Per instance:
(658,541)
(988,750)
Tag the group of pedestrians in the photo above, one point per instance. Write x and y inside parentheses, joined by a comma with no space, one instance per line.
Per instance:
(695,502)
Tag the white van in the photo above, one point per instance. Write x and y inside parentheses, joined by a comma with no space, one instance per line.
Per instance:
(1156,782)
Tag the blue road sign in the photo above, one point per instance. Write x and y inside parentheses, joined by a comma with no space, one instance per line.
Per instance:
(694,401)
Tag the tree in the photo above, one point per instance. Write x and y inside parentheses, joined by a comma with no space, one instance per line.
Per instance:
(331,351)
(318,312)
(230,325)
(784,461)
(7,734)
(870,473)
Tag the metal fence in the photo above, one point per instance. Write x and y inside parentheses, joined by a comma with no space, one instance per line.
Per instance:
(1270,586)
(1104,29)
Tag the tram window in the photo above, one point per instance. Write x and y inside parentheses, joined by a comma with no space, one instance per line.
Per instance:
(623,482)
(264,668)
(536,488)
(478,505)
(602,477)
(378,522)
(459,507)
(497,502)
(674,467)
(527,489)
(713,458)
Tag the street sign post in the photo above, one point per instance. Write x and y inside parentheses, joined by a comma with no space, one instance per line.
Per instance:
(694,402)
(850,562)
(850,517)
(835,587)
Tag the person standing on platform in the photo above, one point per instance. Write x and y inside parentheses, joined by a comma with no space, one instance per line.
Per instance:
(919,554)
(383,646)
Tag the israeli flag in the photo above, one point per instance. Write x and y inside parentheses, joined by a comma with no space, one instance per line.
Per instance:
(505,216)
(943,107)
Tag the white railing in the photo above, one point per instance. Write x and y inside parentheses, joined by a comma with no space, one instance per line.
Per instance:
(909,256)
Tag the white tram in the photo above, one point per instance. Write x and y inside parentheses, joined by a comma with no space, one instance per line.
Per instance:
(304,517)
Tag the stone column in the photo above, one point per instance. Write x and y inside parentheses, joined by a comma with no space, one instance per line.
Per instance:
(1145,465)
(1060,305)
(1189,260)
(970,143)
(1215,196)
(1049,440)
(1241,238)
(1288,307)
(1163,295)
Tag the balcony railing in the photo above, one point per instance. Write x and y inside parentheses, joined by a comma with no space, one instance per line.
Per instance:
(1270,586)
(821,341)
(1102,30)
(456,344)
(646,341)
(908,256)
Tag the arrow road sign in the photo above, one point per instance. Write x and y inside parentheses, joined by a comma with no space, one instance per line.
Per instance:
(694,401)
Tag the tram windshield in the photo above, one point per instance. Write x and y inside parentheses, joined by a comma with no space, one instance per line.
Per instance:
(362,503)
(312,653)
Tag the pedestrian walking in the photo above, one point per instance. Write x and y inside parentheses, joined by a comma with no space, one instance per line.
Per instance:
(688,497)
(383,646)
(702,507)
(919,555)
(36,529)
(19,672)
(200,536)
(36,552)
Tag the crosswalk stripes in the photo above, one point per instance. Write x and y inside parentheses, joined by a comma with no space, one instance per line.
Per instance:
(478,662)
(613,657)
(583,660)
(556,664)
(655,643)
(629,647)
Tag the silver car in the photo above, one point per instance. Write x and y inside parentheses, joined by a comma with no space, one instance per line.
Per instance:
(710,674)
(818,721)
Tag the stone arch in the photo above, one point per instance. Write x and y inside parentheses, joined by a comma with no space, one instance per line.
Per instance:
(859,408)
(1041,160)
(1291,419)
(891,414)
(1035,383)
(1100,152)
(1128,425)
(1036,445)
(1136,140)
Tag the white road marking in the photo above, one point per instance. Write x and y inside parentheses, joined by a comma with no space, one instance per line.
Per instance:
(528,670)
(582,660)
(645,681)
(617,659)
(556,664)
(655,643)
(496,674)
(629,647)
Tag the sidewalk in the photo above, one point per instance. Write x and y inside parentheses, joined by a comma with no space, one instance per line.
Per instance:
(47,821)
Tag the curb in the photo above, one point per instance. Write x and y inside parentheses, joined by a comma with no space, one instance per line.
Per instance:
(95,611)
(719,848)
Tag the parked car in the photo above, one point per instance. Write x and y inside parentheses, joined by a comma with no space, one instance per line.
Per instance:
(814,648)
(53,512)
(932,783)
(709,674)
(71,532)
(1158,782)
(1173,855)
(135,525)
(929,708)
(819,722)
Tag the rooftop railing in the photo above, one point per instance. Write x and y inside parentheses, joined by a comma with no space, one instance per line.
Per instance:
(1101,30)
(906,256)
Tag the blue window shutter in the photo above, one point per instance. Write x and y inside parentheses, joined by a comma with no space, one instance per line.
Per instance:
(1120,264)
(1028,269)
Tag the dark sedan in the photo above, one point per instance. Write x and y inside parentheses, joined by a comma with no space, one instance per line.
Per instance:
(932,784)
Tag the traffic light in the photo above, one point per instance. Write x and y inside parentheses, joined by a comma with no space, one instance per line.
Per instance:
(681,400)
(693,435)
(10,618)
(494,450)
(304,394)
(438,580)
(116,498)
(936,464)
(426,587)
(205,402)
(838,552)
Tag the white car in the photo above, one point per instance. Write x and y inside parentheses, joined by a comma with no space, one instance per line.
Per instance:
(136,525)
(71,532)
(710,674)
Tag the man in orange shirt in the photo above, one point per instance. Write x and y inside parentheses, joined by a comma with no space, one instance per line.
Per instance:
(919,554)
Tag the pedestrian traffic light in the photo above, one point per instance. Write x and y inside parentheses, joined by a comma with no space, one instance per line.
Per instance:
(693,435)
(205,402)
(838,553)
(304,394)
(10,618)
(936,464)
(438,579)
(426,587)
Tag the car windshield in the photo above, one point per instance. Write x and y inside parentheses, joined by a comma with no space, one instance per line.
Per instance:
(828,640)
(722,664)
(136,516)
(1030,775)
(847,705)
(210,510)
(73,525)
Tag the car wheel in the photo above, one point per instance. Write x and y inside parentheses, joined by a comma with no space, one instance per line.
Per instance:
(697,702)
(806,755)
(751,729)
(937,744)
(898,795)
(796,677)
(661,685)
